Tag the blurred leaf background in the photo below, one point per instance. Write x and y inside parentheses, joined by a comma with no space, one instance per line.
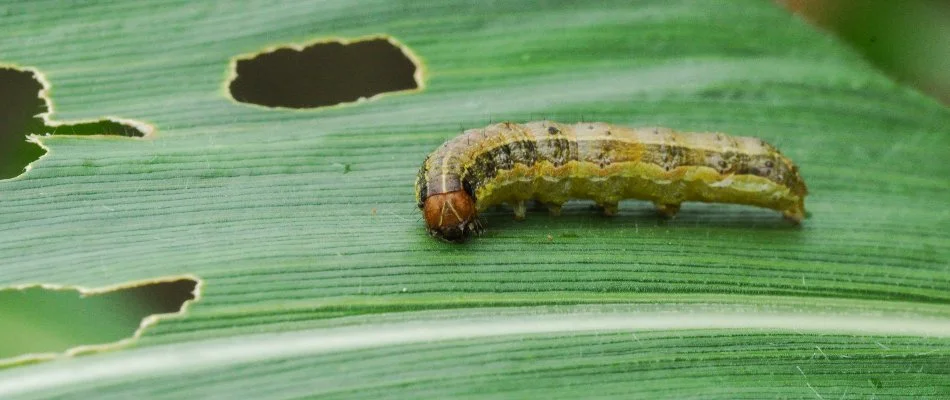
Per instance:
(908,39)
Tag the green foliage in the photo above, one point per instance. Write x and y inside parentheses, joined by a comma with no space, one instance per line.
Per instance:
(318,278)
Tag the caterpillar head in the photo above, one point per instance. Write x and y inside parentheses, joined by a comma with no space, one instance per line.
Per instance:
(450,216)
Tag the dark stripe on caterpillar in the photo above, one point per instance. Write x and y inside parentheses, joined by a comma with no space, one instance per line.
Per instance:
(550,162)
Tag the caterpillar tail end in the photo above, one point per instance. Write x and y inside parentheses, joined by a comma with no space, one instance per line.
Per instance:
(451,216)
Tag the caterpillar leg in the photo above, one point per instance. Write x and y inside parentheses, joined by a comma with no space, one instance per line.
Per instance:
(609,209)
(795,216)
(667,210)
(520,209)
(476,227)
(796,213)
(554,209)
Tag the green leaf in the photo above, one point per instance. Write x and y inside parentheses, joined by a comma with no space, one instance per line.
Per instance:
(319,279)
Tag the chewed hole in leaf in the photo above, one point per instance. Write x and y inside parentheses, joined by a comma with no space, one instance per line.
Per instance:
(19,105)
(38,320)
(104,127)
(22,107)
(325,73)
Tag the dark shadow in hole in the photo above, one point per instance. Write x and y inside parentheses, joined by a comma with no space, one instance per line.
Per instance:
(324,74)
(20,110)
(19,104)
(37,320)
(104,127)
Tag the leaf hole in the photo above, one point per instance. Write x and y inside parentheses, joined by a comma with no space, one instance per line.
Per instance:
(42,322)
(325,73)
(24,111)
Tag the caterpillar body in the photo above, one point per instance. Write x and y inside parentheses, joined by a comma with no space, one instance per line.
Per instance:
(551,163)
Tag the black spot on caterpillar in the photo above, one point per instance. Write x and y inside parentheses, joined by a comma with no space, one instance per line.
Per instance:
(551,163)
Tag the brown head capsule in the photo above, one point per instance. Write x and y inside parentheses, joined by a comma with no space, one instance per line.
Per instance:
(450,216)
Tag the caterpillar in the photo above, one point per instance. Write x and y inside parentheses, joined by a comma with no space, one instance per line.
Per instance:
(551,163)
